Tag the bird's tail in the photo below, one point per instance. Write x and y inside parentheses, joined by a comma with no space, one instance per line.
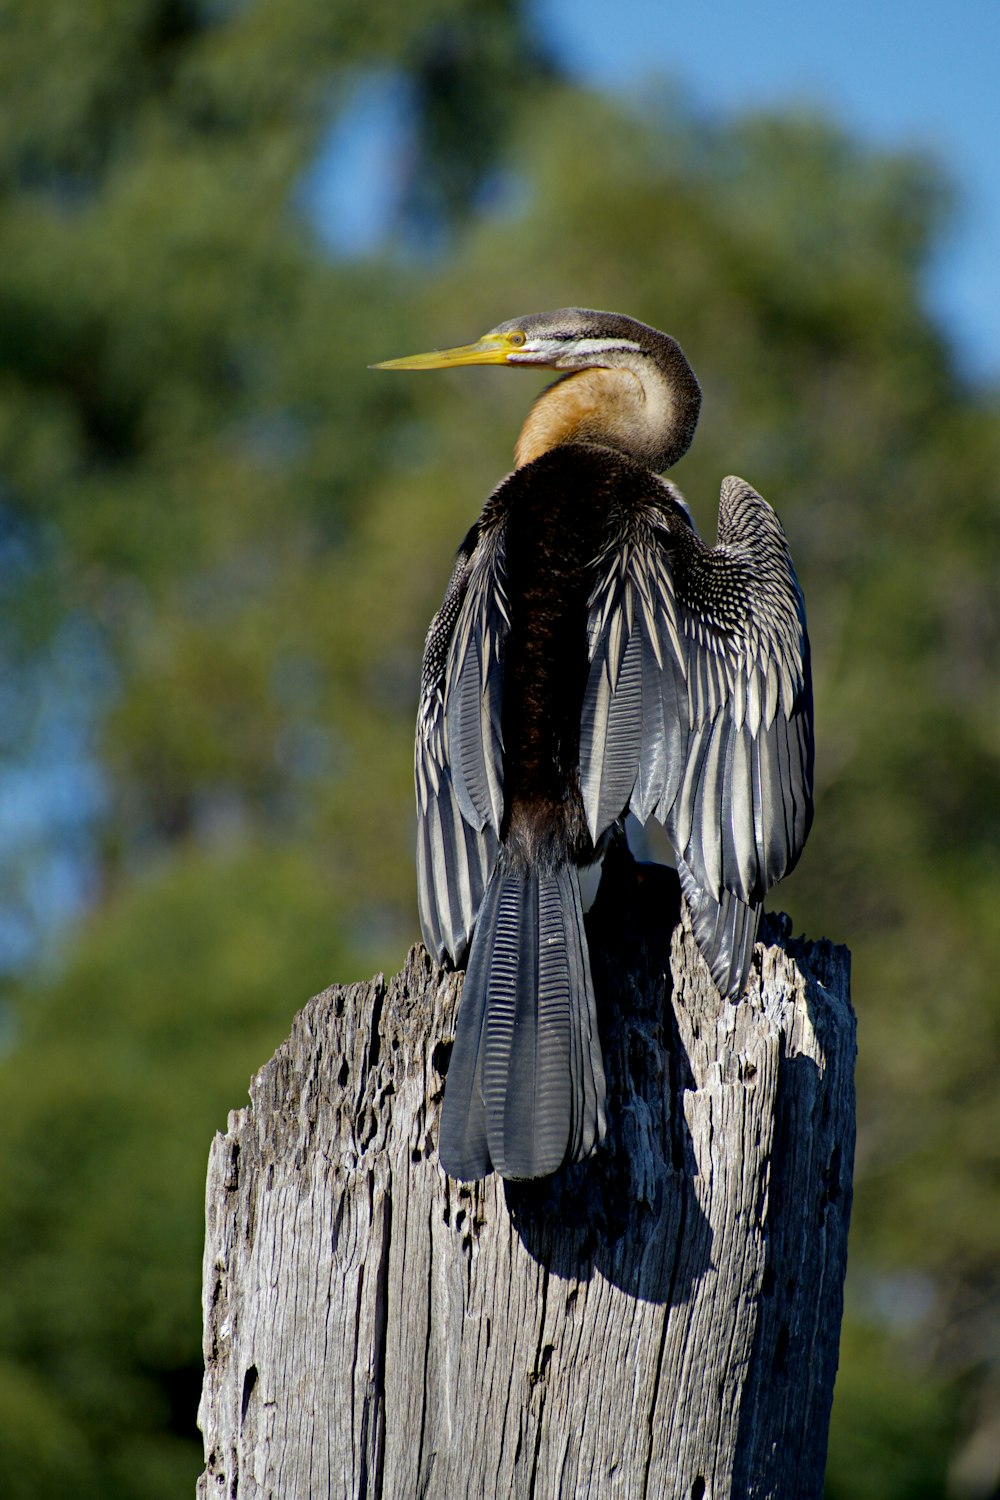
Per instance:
(525,1088)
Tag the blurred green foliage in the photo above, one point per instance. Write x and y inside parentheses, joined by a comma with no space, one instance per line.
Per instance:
(246,534)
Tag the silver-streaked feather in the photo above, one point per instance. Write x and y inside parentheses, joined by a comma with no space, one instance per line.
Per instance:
(525,1089)
(460,794)
(699,708)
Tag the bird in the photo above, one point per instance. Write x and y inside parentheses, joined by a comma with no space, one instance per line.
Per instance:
(592,657)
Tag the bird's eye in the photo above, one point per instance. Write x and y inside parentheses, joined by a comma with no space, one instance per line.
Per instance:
(515,340)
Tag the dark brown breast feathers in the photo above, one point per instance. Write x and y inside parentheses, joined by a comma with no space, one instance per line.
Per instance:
(558,511)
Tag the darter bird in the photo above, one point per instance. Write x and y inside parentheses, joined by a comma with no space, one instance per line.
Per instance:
(592,657)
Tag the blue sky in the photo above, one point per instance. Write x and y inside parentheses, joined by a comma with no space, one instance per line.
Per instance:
(898,75)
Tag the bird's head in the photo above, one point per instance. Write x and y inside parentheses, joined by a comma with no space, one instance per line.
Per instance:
(642,398)
(570,339)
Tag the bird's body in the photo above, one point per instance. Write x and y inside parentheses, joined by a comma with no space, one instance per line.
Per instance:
(592,656)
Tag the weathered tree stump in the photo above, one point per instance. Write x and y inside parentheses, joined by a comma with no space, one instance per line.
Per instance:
(661,1321)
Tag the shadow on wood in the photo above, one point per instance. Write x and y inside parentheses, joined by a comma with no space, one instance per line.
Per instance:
(660,1321)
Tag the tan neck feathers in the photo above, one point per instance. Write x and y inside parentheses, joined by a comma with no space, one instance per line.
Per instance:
(592,406)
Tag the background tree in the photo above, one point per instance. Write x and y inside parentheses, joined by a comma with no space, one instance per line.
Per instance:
(220,543)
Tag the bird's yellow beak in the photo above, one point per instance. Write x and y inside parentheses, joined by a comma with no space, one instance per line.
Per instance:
(492,349)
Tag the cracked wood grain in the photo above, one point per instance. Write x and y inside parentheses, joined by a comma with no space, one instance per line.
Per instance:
(661,1321)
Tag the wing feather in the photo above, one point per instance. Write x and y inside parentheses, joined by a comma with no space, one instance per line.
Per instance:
(699,707)
(460,799)
(631,730)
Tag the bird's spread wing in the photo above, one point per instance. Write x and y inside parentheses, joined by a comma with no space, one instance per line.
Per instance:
(460,794)
(699,710)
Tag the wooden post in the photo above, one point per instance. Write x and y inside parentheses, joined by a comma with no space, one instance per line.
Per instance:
(661,1321)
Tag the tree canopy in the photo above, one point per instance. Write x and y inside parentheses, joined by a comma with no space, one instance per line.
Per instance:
(222,538)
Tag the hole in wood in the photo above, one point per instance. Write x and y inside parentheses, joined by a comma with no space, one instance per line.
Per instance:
(249,1381)
(440,1057)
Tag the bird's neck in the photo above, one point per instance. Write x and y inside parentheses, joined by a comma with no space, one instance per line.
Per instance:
(648,412)
(590,406)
